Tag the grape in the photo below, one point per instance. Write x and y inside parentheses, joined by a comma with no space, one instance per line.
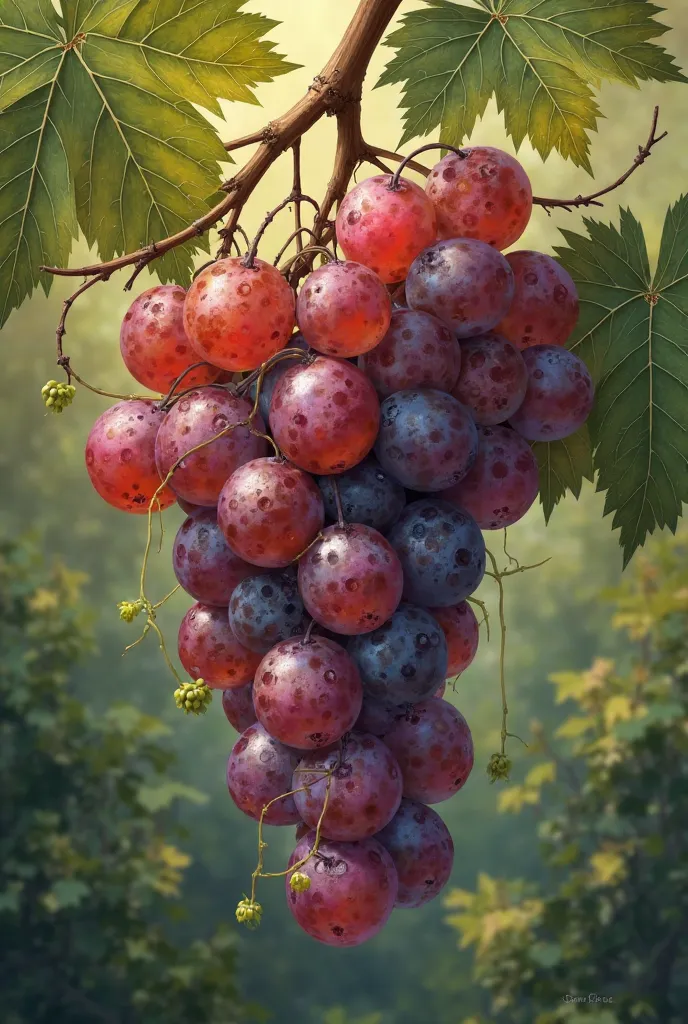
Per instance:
(351,579)
(421,847)
(463,281)
(258,770)
(461,631)
(544,309)
(189,508)
(442,553)
(307,694)
(433,744)
(274,374)
(493,378)
(418,351)
(269,512)
(485,195)
(267,609)
(368,495)
(325,416)
(559,396)
(208,649)
(203,563)
(343,309)
(503,482)
(398,296)
(384,229)
(196,418)
(376,716)
(120,456)
(427,439)
(352,891)
(403,660)
(365,788)
(154,345)
(442,690)
(237,317)
(237,705)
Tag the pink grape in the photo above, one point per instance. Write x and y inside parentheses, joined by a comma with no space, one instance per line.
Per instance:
(503,482)
(194,419)
(364,792)
(343,309)
(384,229)
(461,631)
(120,457)
(421,847)
(352,892)
(544,310)
(307,694)
(485,195)
(433,745)
(463,281)
(237,705)
(259,769)
(267,608)
(418,351)
(154,345)
(208,649)
(559,396)
(236,316)
(493,378)
(205,566)
(350,580)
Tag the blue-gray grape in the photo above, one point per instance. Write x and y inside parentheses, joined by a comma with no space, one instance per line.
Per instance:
(369,495)
(266,609)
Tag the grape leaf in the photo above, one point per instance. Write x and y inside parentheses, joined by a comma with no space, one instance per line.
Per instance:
(633,335)
(563,465)
(537,57)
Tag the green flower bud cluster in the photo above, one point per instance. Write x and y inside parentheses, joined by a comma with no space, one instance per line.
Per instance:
(57,396)
(193,698)
(300,882)
(128,610)
(249,912)
(499,767)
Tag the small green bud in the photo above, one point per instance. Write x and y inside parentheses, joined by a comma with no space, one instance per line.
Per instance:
(128,610)
(249,912)
(193,698)
(499,767)
(56,396)
(300,882)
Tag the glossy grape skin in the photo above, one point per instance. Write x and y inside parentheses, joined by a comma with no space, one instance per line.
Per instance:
(259,769)
(120,457)
(350,580)
(405,659)
(418,351)
(267,609)
(154,345)
(269,512)
(385,230)
(427,439)
(365,788)
(559,397)
(236,317)
(462,633)
(343,309)
(545,308)
(464,282)
(368,495)
(275,373)
(486,195)
(442,553)
(205,566)
(307,695)
(196,418)
(352,892)
(503,482)
(422,849)
(190,508)
(237,705)
(376,717)
(208,649)
(493,378)
(433,745)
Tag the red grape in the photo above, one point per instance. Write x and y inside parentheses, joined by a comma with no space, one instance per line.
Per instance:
(559,396)
(307,694)
(352,891)
(351,579)
(203,563)
(258,770)
(503,482)
(154,345)
(325,416)
(368,495)
(433,744)
(544,310)
(421,847)
(384,229)
(493,378)
(485,195)
(418,351)
(343,309)
(120,456)
(236,317)
(208,649)
(463,281)
(237,705)
(461,631)
(196,418)
(266,609)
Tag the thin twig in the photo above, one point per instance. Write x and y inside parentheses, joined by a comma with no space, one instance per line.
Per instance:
(62,359)
(296,192)
(250,257)
(292,236)
(389,154)
(338,503)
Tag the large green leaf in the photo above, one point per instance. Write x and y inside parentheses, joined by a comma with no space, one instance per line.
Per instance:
(563,466)
(539,59)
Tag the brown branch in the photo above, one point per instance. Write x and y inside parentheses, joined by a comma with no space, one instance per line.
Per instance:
(296,192)
(265,135)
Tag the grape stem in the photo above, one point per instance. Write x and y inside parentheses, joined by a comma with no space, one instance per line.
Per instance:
(294,235)
(293,197)
(486,618)
(338,503)
(394,183)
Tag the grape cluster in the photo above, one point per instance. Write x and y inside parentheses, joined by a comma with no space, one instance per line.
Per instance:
(332,578)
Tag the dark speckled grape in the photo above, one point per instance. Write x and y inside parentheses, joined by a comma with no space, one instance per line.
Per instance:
(405,660)
(209,650)
(237,705)
(559,396)
(461,631)
(418,351)
(267,609)
(259,769)
(441,550)
(421,847)
(376,716)
(368,494)
(433,744)
(493,378)
(204,564)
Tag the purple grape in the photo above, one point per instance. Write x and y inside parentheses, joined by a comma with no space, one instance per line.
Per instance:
(266,609)
(368,494)
(376,716)
(559,396)
(433,745)
(237,705)
(259,769)
(493,378)
(274,375)
(418,351)
(421,847)
(204,564)
(209,650)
